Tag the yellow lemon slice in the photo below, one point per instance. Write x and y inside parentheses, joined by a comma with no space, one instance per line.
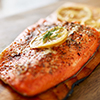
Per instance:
(53,36)
(73,13)
(94,23)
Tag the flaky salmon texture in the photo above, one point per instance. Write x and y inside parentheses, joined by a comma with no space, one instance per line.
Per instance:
(33,70)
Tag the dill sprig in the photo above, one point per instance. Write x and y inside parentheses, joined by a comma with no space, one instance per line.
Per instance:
(47,36)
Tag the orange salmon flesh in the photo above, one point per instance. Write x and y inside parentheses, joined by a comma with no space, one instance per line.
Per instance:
(31,71)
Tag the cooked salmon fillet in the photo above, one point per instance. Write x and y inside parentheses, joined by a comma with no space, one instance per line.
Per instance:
(31,71)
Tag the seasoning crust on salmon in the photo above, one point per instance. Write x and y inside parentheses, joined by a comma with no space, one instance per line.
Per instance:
(33,70)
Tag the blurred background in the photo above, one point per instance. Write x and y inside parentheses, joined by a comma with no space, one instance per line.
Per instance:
(11,7)
(14,7)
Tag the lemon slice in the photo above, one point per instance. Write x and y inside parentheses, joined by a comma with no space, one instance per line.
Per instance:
(95,23)
(53,36)
(74,13)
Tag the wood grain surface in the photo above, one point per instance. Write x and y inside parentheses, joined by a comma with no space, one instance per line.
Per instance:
(12,26)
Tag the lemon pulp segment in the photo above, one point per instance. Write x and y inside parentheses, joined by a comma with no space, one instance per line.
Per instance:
(94,23)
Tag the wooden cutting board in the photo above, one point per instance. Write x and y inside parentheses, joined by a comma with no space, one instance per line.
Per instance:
(12,26)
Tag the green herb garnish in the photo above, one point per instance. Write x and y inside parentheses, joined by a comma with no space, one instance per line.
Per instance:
(48,35)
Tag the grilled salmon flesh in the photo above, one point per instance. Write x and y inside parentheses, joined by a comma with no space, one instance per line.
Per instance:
(30,71)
